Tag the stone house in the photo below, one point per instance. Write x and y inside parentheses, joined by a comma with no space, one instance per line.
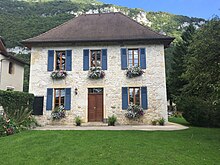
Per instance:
(113,42)
(11,70)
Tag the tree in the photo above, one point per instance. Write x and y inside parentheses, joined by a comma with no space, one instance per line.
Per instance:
(176,82)
(202,75)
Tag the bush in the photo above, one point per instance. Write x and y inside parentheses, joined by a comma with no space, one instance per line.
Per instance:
(7,126)
(19,116)
(161,121)
(111,120)
(78,121)
(17,107)
(199,112)
(154,122)
(14,100)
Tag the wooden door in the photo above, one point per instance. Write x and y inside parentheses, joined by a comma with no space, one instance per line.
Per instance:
(95,105)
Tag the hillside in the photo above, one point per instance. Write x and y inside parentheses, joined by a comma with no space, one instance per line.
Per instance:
(21,19)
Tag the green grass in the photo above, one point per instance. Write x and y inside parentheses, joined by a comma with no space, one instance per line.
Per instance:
(179,120)
(191,146)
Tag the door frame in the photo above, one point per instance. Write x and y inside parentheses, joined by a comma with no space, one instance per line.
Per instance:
(103,102)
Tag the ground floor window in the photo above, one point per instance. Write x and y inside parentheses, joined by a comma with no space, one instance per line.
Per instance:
(59,97)
(134,95)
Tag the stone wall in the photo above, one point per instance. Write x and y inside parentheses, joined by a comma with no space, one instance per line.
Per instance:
(115,79)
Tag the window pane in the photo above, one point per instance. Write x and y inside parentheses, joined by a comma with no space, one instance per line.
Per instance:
(63,61)
(59,97)
(135,62)
(136,56)
(93,59)
(129,52)
(60,60)
(135,52)
(131,98)
(133,57)
(137,96)
(98,57)
(56,100)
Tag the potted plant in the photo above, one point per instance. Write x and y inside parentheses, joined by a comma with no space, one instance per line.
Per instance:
(134,111)
(58,113)
(154,122)
(111,120)
(161,121)
(58,74)
(78,121)
(96,73)
(134,71)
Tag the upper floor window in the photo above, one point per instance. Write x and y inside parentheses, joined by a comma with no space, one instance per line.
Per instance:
(59,97)
(134,95)
(60,60)
(95,58)
(11,68)
(133,57)
(10,88)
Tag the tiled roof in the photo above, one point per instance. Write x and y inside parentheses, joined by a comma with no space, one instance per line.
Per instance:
(99,27)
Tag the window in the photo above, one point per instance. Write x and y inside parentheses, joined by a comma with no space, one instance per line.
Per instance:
(95,58)
(95,90)
(134,95)
(10,88)
(133,57)
(59,97)
(60,60)
(11,68)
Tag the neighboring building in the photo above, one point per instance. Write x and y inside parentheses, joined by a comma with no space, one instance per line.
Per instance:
(11,70)
(112,41)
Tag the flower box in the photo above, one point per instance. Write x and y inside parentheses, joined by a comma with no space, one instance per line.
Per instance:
(96,73)
(134,71)
(134,112)
(58,113)
(58,74)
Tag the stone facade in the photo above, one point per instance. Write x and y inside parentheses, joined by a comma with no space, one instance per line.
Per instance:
(115,79)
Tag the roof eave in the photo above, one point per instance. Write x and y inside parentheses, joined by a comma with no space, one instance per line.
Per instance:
(166,41)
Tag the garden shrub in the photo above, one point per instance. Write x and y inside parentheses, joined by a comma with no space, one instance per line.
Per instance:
(199,112)
(111,120)
(14,100)
(17,107)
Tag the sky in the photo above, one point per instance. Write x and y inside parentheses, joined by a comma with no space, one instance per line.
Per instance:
(192,8)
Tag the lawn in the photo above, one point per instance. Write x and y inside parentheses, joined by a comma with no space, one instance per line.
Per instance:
(192,146)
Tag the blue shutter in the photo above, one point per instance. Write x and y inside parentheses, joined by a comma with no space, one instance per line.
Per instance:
(123,58)
(144,101)
(143,58)
(67,101)
(69,60)
(124,97)
(49,98)
(86,59)
(104,59)
(50,60)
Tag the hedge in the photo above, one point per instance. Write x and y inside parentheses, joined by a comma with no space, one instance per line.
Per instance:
(14,100)
(200,112)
